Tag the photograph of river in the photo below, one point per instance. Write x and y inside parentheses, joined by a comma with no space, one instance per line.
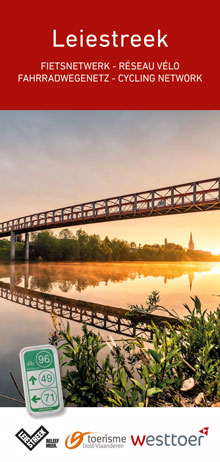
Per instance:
(140,231)
(115,284)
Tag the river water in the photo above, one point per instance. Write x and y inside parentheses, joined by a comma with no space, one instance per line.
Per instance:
(112,284)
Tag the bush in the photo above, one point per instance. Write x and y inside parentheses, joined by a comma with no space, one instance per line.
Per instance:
(136,375)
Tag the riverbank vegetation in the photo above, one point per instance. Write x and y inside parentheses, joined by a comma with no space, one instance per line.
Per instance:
(181,367)
(46,246)
(5,250)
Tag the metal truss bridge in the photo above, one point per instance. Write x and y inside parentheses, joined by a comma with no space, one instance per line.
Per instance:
(197,196)
(108,318)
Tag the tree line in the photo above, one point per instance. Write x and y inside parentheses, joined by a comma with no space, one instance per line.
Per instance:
(66,246)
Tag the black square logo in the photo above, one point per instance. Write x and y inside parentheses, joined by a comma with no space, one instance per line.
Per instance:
(31,441)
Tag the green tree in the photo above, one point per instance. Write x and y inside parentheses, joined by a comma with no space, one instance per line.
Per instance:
(45,245)
(65,234)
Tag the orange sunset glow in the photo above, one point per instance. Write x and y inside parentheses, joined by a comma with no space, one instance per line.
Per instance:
(54,159)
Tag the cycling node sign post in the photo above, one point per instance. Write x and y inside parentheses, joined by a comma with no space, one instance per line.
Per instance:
(41,379)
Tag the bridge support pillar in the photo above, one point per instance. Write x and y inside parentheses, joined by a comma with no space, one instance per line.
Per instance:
(12,246)
(12,276)
(26,275)
(26,247)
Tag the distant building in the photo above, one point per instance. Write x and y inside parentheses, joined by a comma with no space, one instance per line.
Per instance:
(198,252)
(191,246)
(203,252)
(191,243)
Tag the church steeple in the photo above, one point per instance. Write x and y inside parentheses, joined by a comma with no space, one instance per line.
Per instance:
(191,243)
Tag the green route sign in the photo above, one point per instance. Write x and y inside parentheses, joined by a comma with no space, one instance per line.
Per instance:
(41,379)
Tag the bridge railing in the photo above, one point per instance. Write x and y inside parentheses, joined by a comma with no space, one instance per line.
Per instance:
(131,205)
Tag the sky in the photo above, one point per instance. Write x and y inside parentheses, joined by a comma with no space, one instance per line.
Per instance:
(52,159)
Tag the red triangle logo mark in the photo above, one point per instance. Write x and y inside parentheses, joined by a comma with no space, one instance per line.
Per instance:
(204,431)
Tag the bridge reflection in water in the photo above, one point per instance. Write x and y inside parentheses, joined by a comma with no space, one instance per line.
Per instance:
(109,318)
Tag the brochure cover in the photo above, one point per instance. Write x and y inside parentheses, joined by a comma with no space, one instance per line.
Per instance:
(109,241)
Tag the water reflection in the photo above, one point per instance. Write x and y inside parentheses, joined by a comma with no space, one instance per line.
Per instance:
(80,292)
(119,284)
(111,319)
(44,276)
